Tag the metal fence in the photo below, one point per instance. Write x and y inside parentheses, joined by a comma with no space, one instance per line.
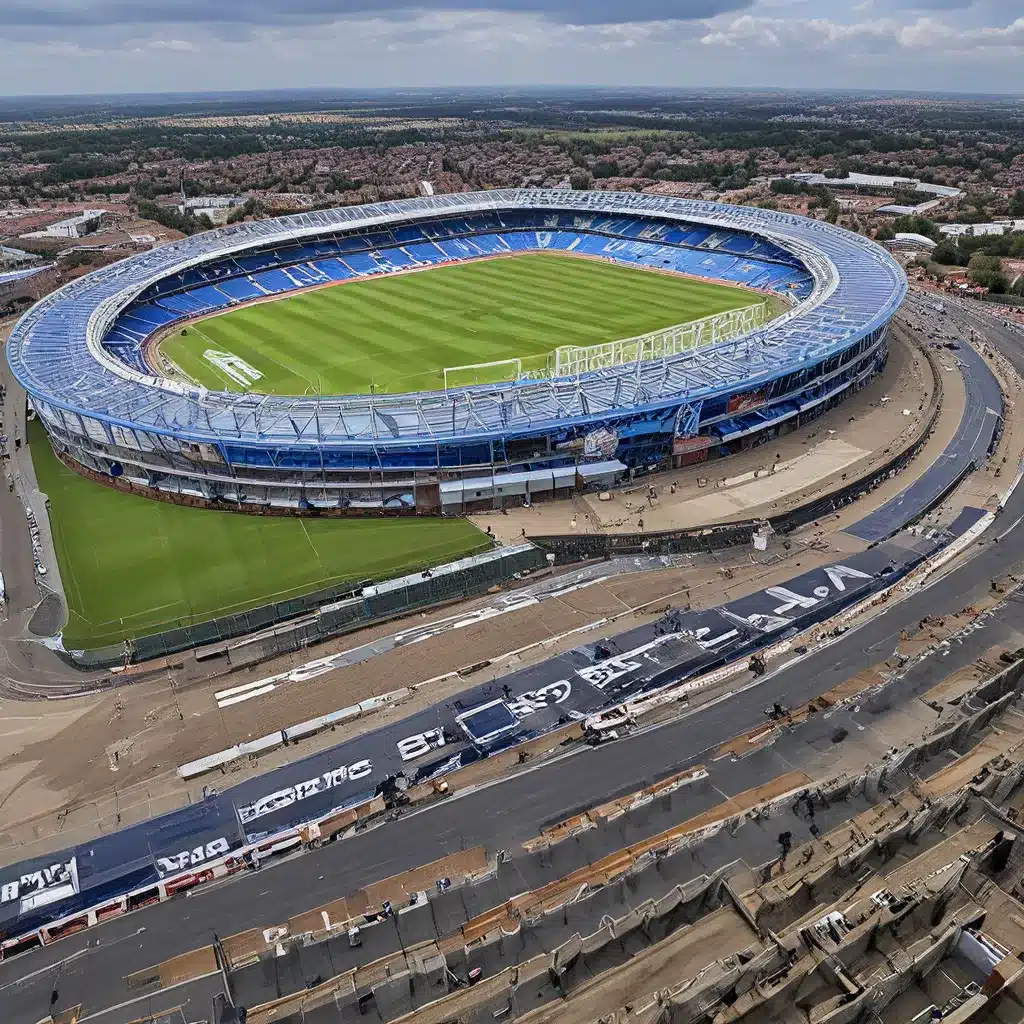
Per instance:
(314,617)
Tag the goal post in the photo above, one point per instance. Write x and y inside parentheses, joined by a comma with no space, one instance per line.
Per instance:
(499,371)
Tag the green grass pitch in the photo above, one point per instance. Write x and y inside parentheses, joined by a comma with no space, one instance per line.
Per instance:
(399,332)
(131,565)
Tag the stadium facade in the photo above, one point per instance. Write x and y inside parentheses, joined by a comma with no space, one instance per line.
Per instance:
(85,357)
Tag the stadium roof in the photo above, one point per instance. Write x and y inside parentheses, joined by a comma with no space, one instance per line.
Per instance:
(855,179)
(56,349)
(913,238)
(7,276)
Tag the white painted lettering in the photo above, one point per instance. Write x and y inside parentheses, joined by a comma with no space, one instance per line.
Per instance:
(838,573)
(303,790)
(50,877)
(605,672)
(533,700)
(790,599)
(421,743)
(193,858)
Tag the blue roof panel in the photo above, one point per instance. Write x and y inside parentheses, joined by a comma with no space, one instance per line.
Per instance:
(56,350)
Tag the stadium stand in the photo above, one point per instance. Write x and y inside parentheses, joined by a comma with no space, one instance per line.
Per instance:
(297,267)
(80,354)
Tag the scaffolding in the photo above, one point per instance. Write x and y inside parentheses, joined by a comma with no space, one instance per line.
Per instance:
(573,360)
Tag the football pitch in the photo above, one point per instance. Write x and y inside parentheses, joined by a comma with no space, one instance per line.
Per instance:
(398,332)
(132,566)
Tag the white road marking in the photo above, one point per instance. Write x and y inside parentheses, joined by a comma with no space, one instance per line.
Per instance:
(314,669)
(1013,526)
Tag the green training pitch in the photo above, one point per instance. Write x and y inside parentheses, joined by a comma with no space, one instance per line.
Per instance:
(398,333)
(132,566)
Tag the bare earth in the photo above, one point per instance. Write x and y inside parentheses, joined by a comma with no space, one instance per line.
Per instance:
(847,441)
(69,770)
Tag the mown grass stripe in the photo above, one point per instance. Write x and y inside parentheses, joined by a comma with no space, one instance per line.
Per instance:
(133,566)
(398,332)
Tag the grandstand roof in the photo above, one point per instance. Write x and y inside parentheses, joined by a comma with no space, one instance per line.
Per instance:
(912,238)
(56,349)
(855,179)
(7,276)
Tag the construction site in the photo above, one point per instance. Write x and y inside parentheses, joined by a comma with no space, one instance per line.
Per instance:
(651,778)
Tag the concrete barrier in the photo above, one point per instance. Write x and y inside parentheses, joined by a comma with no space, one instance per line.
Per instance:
(272,740)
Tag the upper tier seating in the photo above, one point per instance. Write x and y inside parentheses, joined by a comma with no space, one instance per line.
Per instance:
(698,250)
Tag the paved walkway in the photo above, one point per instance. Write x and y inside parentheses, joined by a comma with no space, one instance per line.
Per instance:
(20,470)
(21,656)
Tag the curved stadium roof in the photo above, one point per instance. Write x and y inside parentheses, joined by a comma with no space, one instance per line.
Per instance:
(56,349)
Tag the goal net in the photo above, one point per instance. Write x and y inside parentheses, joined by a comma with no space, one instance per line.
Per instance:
(498,372)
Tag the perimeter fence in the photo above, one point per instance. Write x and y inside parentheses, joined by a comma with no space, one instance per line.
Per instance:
(324,613)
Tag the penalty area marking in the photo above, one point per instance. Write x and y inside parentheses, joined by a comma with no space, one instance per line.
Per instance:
(235,367)
(245,384)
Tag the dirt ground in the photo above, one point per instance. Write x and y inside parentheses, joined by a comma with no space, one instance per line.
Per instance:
(114,761)
(843,444)
(71,769)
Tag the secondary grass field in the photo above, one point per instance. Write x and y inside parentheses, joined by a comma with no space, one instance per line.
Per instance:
(132,566)
(398,333)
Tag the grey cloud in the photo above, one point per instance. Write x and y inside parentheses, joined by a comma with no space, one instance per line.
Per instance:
(97,13)
(930,5)
(985,12)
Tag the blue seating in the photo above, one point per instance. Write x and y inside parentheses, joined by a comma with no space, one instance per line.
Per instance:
(426,252)
(334,269)
(211,296)
(696,249)
(273,281)
(148,316)
(379,240)
(411,233)
(240,288)
(396,259)
(180,303)
(261,261)
(361,263)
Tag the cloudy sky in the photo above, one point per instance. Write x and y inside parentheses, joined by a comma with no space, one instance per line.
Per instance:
(78,46)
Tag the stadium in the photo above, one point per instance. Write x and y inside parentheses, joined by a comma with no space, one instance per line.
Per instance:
(515,389)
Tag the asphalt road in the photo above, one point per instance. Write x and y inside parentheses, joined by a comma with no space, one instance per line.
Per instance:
(967,449)
(88,967)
